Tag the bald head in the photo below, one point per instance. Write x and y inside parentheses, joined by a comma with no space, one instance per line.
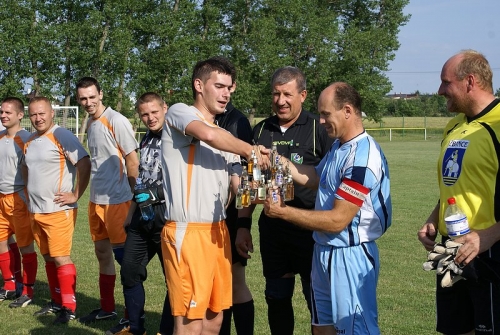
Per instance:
(339,107)
(339,94)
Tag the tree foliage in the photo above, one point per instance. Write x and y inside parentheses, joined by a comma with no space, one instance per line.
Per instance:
(133,46)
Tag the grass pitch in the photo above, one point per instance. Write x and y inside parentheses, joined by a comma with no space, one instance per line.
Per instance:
(405,291)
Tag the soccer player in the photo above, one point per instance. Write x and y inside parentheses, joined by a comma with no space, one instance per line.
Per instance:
(54,158)
(144,237)
(14,215)
(197,157)
(473,136)
(286,250)
(112,147)
(353,209)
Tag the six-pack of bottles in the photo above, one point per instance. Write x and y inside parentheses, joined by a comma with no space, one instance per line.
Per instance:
(254,186)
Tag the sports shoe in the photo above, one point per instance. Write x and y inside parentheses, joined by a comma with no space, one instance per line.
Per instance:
(98,315)
(65,316)
(7,295)
(122,324)
(22,301)
(49,309)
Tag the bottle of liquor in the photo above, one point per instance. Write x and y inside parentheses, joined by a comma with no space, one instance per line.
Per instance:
(244,176)
(250,164)
(274,191)
(456,220)
(257,172)
(238,202)
(290,189)
(279,176)
(245,198)
(261,190)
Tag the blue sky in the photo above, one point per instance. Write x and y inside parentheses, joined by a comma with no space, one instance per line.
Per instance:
(437,30)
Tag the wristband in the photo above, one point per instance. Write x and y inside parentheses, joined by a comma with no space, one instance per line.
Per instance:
(244,223)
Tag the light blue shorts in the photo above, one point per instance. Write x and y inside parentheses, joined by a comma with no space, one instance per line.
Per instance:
(344,288)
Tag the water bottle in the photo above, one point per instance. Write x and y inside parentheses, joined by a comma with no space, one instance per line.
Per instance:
(456,220)
(147,212)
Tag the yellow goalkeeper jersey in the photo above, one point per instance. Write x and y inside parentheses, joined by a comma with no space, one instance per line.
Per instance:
(468,167)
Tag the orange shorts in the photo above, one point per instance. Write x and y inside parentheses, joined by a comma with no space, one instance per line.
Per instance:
(197,259)
(15,218)
(54,231)
(106,221)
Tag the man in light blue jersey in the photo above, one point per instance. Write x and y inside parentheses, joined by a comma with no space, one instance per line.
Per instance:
(353,209)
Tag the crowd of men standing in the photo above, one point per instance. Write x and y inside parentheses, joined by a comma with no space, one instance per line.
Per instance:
(190,163)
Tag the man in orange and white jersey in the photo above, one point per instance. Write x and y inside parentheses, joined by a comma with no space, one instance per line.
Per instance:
(197,161)
(14,216)
(115,167)
(54,159)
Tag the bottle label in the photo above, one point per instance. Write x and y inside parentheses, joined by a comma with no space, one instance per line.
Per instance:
(457,225)
(274,196)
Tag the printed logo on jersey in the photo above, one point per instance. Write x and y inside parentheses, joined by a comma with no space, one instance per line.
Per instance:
(452,161)
(296,158)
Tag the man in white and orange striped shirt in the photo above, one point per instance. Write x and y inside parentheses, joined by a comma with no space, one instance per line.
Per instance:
(54,159)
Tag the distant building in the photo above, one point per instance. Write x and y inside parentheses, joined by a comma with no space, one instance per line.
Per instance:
(403,96)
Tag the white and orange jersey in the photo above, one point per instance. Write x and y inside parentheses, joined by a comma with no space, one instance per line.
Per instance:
(12,150)
(195,175)
(51,159)
(110,138)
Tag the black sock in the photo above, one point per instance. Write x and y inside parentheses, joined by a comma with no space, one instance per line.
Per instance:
(225,328)
(244,315)
(280,316)
(134,303)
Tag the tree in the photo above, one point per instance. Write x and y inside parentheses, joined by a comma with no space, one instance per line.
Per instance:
(133,46)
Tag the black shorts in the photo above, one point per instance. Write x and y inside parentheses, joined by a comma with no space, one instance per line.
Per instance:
(469,304)
(232,228)
(285,249)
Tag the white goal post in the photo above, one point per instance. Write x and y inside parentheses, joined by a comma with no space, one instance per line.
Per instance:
(65,116)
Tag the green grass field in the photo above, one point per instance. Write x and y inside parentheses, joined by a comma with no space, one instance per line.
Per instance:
(405,291)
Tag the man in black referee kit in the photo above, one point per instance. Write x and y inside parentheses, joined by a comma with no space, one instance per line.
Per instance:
(287,249)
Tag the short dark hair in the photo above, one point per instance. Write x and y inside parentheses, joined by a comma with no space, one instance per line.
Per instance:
(148,97)
(87,82)
(288,73)
(346,94)
(18,103)
(203,69)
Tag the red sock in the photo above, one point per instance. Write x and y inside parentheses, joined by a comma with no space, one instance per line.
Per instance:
(6,268)
(67,280)
(17,262)
(55,291)
(30,266)
(107,290)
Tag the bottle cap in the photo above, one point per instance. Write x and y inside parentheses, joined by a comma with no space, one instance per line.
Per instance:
(451,201)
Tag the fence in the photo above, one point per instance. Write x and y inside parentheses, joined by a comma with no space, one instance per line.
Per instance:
(405,134)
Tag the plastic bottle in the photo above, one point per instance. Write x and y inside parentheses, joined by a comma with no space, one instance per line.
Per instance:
(456,221)
(147,211)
